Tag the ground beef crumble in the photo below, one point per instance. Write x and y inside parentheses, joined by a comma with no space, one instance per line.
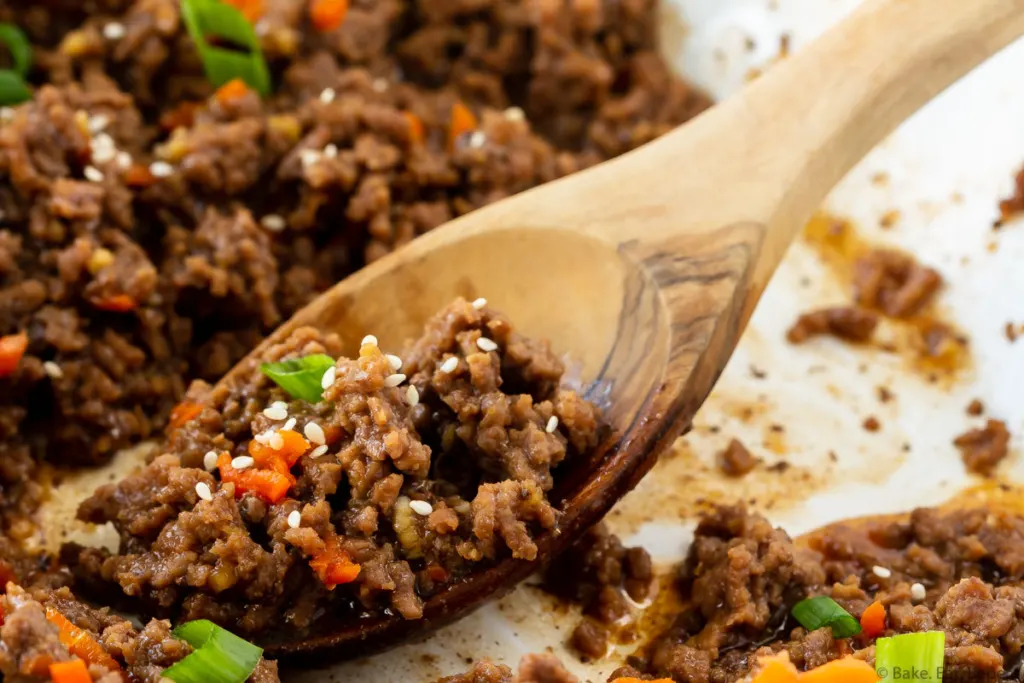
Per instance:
(735,460)
(984,448)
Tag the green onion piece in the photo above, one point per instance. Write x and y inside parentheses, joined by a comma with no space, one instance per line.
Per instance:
(820,611)
(219,655)
(13,89)
(218,19)
(21,51)
(911,656)
(300,377)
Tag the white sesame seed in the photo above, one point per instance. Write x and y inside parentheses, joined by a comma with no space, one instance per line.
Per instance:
(210,460)
(203,491)
(294,519)
(98,123)
(161,169)
(318,451)
(276,411)
(479,303)
(113,31)
(124,160)
(93,174)
(264,438)
(380,85)
(101,154)
(328,379)
(273,222)
(242,462)
(421,507)
(515,114)
(412,395)
(881,572)
(52,369)
(327,95)
(552,424)
(309,157)
(917,592)
(485,344)
(276,441)
(394,380)
(369,340)
(315,433)
(395,361)
(331,151)
(6,114)
(290,424)
(449,365)
(477,139)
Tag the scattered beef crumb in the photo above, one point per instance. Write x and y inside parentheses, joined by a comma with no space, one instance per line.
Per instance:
(735,460)
(1015,203)
(1011,332)
(894,283)
(845,322)
(590,639)
(983,449)
(975,408)
(885,394)
(872,424)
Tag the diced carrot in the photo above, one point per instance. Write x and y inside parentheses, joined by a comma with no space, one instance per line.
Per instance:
(182,116)
(630,679)
(80,642)
(250,9)
(266,484)
(232,90)
(293,447)
(872,622)
(12,349)
(776,669)
(327,15)
(118,303)
(139,175)
(184,412)
(845,670)
(334,566)
(416,132)
(74,671)
(463,121)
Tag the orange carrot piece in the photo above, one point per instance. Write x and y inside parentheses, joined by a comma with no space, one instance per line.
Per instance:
(119,303)
(872,622)
(266,484)
(417,134)
(334,566)
(80,642)
(139,175)
(250,9)
(293,447)
(12,350)
(776,669)
(463,120)
(184,412)
(327,15)
(232,90)
(74,671)
(630,679)
(845,670)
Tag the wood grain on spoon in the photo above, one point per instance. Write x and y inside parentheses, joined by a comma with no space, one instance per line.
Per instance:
(646,268)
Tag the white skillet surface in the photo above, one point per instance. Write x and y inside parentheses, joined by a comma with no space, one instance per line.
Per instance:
(945,171)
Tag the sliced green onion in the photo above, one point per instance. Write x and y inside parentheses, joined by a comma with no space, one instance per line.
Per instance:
(300,377)
(820,611)
(13,89)
(213,18)
(911,656)
(219,655)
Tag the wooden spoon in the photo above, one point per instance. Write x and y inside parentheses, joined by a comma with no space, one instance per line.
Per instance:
(646,268)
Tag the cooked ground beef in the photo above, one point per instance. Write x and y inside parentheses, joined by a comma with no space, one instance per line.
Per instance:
(975,408)
(599,573)
(532,669)
(30,640)
(982,449)
(152,232)
(849,323)
(416,482)
(894,283)
(735,460)
(1014,204)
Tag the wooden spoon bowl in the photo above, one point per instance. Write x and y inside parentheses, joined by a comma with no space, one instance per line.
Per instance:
(645,269)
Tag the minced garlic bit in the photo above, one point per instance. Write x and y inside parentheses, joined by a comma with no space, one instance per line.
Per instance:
(242,462)
(485,344)
(210,460)
(881,572)
(421,507)
(449,365)
(394,380)
(328,379)
(315,433)
(412,395)
(552,424)
(294,519)
(203,491)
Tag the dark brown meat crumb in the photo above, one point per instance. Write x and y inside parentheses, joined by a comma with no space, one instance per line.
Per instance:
(871,424)
(849,323)
(982,449)
(894,283)
(975,408)
(735,460)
